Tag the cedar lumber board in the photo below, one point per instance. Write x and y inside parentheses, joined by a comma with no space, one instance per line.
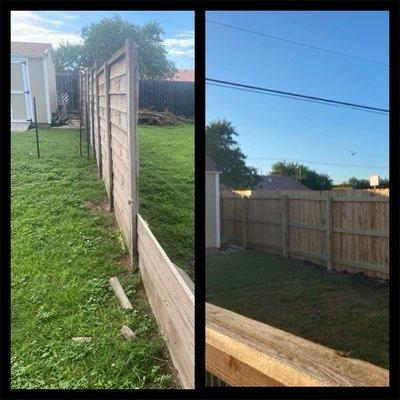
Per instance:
(267,354)
(120,294)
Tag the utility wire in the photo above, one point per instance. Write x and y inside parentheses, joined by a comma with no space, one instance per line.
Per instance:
(232,85)
(292,98)
(317,162)
(298,43)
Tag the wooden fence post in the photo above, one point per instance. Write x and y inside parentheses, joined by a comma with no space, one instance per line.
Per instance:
(329,241)
(108,135)
(244,221)
(285,226)
(132,96)
(96,84)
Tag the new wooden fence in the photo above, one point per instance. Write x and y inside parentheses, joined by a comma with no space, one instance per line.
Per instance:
(244,352)
(339,230)
(110,93)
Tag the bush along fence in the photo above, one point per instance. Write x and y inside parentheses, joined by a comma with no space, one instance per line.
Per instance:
(342,231)
(244,352)
(109,103)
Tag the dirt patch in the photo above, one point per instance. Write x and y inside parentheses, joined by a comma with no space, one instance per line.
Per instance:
(160,118)
(125,264)
(99,207)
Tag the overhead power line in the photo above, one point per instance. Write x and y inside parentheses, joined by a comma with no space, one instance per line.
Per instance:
(317,162)
(298,96)
(339,53)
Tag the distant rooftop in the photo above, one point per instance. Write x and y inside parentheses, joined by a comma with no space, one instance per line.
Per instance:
(27,49)
(184,75)
(210,165)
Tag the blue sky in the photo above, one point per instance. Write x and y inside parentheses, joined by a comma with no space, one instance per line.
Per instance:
(56,26)
(277,128)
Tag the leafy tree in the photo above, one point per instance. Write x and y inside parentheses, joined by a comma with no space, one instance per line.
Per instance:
(302,174)
(355,183)
(222,147)
(69,56)
(101,39)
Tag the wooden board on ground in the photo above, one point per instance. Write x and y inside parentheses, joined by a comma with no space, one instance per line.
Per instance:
(120,294)
(244,352)
(172,301)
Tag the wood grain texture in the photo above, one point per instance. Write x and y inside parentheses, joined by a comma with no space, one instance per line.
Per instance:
(341,230)
(245,352)
(172,301)
(120,294)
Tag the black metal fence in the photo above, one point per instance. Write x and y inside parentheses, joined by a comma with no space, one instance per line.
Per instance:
(174,96)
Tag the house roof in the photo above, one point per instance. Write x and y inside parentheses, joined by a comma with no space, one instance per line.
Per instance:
(275,182)
(210,165)
(27,49)
(184,75)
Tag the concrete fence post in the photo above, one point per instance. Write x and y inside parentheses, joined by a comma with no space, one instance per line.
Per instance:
(132,97)
(97,109)
(108,134)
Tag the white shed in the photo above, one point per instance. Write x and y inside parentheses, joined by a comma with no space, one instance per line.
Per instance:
(213,238)
(32,75)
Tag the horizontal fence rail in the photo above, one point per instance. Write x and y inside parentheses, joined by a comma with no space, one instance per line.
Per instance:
(244,352)
(171,296)
(109,105)
(344,231)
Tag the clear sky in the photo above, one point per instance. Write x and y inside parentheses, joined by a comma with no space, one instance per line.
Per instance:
(56,26)
(274,128)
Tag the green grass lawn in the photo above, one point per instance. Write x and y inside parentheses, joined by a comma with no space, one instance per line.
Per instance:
(65,245)
(345,312)
(166,189)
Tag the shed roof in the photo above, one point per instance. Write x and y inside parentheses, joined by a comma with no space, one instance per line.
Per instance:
(210,165)
(283,182)
(27,49)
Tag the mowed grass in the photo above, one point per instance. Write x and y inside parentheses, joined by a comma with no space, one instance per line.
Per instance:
(166,189)
(65,245)
(345,312)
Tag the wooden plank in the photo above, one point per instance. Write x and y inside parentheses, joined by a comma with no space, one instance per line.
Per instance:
(251,353)
(285,228)
(362,265)
(132,100)
(244,221)
(307,226)
(329,242)
(308,253)
(120,294)
(172,302)
(362,232)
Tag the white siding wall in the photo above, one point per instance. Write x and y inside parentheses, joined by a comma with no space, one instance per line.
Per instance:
(52,84)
